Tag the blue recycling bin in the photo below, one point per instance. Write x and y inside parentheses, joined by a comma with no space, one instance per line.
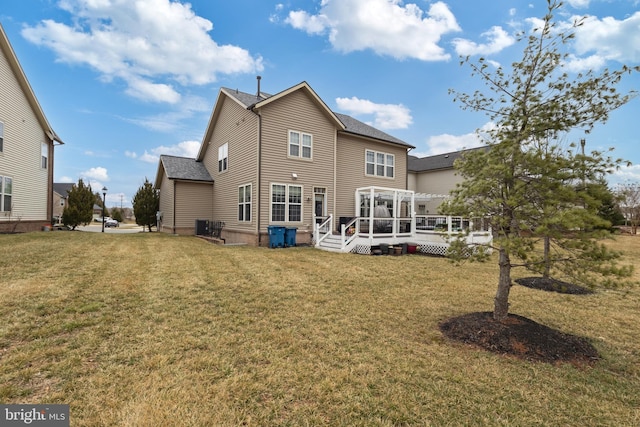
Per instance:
(276,236)
(290,236)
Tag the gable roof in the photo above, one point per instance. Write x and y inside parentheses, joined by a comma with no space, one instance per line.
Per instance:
(184,169)
(437,162)
(62,188)
(14,64)
(249,101)
(304,86)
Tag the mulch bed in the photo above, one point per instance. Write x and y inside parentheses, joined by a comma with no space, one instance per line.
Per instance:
(520,337)
(553,285)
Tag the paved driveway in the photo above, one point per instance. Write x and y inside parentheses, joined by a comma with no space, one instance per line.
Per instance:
(123,229)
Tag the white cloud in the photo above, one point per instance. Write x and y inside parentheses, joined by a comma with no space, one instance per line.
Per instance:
(153,45)
(447,143)
(66,179)
(182,149)
(598,40)
(626,174)
(579,4)
(386,116)
(385,26)
(577,65)
(609,38)
(312,24)
(98,173)
(498,40)
(131,154)
(170,121)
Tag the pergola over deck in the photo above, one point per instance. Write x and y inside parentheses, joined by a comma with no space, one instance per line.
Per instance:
(388,216)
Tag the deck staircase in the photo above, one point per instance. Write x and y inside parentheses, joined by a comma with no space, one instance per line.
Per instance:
(332,243)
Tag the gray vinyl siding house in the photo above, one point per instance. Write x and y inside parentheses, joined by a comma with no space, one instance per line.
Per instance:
(283,159)
(434,175)
(26,149)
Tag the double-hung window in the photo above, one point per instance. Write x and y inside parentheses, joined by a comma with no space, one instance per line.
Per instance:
(223,157)
(244,203)
(6,191)
(286,203)
(379,164)
(300,144)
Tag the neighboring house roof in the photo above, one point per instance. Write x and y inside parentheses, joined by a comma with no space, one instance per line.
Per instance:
(249,101)
(437,162)
(184,168)
(12,59)
(62,188)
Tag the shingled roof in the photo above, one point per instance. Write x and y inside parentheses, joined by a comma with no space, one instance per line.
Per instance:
(353,126)
(437,162)
(358,128)
(185,168)
(62,188)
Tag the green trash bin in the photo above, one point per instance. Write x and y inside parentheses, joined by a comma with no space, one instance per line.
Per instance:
(276,236)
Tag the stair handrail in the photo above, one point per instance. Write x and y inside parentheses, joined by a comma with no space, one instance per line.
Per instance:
(326,225)
(345,238)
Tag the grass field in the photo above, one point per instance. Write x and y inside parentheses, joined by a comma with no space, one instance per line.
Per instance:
(156,330)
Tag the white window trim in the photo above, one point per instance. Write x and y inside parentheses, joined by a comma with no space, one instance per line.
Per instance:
(245,203)
(3,181)
(376,164)
(286,203)
(223,158)
(300,145)
(44,162)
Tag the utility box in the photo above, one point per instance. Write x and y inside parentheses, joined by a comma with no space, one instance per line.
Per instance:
(202,227)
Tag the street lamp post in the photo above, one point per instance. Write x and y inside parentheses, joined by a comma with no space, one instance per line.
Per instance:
(104,201)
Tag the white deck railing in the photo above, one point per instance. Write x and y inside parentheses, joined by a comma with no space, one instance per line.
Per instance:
(431,230)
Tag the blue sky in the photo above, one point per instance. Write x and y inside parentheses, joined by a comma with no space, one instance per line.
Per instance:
(123,81)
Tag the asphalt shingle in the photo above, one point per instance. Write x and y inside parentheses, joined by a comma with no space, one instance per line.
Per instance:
(185,168)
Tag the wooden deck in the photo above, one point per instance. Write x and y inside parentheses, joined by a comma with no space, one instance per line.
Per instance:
(429,234)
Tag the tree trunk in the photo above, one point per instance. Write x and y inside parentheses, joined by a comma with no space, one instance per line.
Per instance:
(501,301)
(547,257)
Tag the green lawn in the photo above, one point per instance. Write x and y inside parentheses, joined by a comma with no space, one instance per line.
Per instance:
(156,330)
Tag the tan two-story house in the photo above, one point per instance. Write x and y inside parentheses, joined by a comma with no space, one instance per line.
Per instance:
(26,150)
(276,160)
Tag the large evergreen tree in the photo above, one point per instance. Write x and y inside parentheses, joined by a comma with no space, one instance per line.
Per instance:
(79,209)
(146,204)
(528,183)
